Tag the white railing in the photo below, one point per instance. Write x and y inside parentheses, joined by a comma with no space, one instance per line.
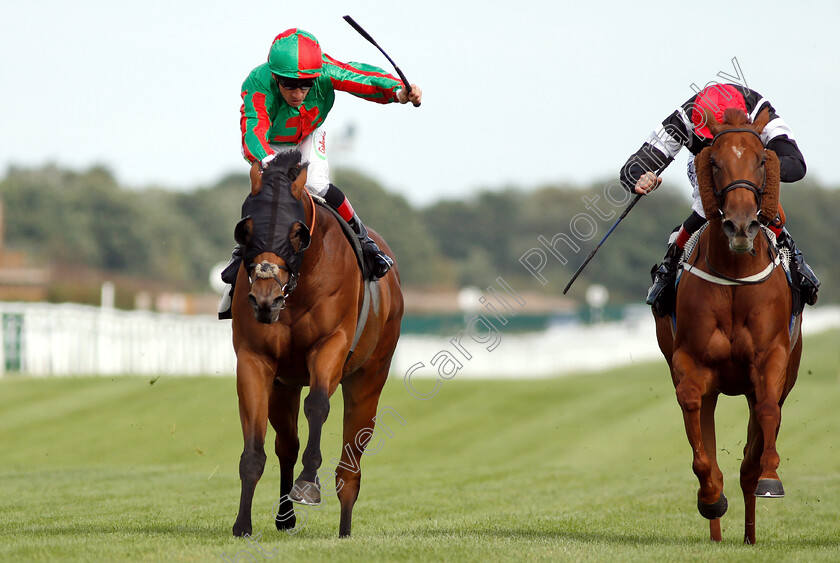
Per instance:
(69,339)
(46,339)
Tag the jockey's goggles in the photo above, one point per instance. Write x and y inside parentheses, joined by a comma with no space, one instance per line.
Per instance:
(294,83)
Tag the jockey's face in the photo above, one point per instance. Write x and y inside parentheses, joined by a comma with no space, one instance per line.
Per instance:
(293,91)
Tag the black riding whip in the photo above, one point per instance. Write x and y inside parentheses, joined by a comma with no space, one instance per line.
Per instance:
(367,36)
(623,215)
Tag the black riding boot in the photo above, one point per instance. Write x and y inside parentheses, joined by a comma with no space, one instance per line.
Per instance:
(804,278)
(378,262)
(660,295)
(229,277)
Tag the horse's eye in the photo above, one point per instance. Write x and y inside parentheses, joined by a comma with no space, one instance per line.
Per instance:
(713,163)
(763,160)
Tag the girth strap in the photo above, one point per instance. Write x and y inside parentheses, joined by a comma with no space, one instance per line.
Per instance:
(363,317)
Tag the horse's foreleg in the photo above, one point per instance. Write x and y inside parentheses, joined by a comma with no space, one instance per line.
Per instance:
(284,406)
(325,366)
(707,429)
(252,387)
(691,393)
(750,469)
(316,407)
(768,412)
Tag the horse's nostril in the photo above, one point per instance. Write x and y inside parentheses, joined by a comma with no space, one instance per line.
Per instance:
(729,228)
(753,229)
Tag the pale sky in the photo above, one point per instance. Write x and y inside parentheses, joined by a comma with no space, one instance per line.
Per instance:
(515,93)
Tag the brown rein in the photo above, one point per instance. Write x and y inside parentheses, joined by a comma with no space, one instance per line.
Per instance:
(314,214)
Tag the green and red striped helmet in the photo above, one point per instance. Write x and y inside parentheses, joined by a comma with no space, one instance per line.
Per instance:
(295,54)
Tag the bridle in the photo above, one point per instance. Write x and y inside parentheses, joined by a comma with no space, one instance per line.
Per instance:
(269,270)
(758,192)
(722,279)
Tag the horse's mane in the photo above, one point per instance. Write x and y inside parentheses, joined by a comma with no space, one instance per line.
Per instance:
(772,188)
(706,184)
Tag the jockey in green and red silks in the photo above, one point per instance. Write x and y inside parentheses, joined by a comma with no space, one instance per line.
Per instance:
(268,119)
(284,104)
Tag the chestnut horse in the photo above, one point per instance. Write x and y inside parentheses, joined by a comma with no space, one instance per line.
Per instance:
(733,332)
(292,331)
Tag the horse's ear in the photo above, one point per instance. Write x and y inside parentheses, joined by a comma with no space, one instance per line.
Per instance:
(242,231)
(256,178)
(761,121)
(772,188)
(299,182)
(706,183)
(711,122)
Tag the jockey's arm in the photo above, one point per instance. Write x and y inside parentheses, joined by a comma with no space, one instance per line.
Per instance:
(255,120)
(778,137)
(637,175)
(658,151)
(368,82)
(791,162)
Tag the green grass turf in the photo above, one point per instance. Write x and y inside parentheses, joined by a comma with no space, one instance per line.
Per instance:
(589,467)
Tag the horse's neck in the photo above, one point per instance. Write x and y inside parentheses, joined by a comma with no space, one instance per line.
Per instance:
(734,264)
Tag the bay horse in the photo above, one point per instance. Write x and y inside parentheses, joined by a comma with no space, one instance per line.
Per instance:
(733,331)
(295,328)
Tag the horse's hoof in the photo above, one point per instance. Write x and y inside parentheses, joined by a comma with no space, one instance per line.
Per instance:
(240,530)
(285,523)
(769,488)
(714,510)
(306,492)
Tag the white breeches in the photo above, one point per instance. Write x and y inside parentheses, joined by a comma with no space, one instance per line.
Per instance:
(313,150)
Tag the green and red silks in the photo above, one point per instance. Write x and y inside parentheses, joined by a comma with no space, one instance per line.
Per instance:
(267,118)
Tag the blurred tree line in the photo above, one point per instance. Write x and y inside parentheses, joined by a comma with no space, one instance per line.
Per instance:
(68,218)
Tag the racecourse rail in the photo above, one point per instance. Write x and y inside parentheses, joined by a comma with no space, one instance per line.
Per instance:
(43,339)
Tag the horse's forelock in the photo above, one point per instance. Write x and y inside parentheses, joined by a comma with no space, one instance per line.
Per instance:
(735,117)
(284,161)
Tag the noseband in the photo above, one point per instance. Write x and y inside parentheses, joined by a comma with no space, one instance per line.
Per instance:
(267,270)
(758,192)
